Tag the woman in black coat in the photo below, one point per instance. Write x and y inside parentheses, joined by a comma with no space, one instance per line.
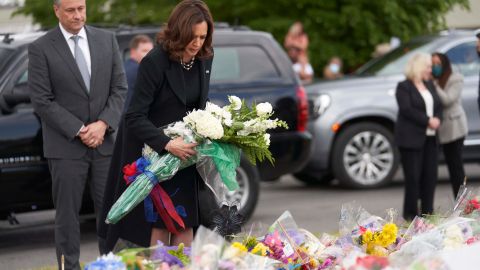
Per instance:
(172,80)
(419,113)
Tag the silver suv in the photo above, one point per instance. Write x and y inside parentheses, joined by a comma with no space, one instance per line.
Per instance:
(354,117)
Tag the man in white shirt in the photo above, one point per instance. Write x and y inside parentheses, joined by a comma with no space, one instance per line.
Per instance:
(77,87)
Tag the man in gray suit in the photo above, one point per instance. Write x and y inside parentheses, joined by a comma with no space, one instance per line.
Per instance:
(78,87)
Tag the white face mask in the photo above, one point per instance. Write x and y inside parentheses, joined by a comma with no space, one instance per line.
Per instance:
(334,68)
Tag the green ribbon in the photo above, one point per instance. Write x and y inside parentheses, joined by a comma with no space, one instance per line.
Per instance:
(226,158)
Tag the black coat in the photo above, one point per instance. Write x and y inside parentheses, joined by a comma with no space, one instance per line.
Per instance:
(158,100)
(412,119)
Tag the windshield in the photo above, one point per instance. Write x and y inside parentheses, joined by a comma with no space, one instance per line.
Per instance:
(394,62)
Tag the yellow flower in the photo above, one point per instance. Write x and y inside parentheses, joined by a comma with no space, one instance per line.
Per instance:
(260,249)
(239,246)
(367,237)
(313,263)
(378,251)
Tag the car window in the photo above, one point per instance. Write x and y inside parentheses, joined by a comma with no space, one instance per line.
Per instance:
(242,64)
(464,58)
(394,62)
(23,78)
(21,87)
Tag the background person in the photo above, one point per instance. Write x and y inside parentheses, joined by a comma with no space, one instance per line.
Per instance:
(297,38)
(454,127)
(139,46)
(301,66)
(78,87)
(296,44)
(419,112)
(333,70)
(172,79)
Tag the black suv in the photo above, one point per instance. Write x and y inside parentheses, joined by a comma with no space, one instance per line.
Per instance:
(247,63)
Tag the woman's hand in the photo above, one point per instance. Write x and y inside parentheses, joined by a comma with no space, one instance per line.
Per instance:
(178,147)
(433,123)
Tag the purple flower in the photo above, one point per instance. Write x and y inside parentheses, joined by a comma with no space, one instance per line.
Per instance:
(226,265)
(161,254)
(296,236)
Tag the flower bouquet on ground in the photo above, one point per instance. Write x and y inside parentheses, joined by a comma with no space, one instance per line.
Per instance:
(222,134)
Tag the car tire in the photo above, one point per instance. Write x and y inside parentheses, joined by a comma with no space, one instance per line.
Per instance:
(248,179)
(319,179)
(364,156)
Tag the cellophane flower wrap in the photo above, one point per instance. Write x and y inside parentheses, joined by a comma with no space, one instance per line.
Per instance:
(221,134)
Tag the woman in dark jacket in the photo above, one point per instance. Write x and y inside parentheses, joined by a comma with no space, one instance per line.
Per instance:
(454,126)
(419,111)
(172,80)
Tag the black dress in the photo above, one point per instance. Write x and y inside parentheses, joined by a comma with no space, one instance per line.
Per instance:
(184,190)
(164,93)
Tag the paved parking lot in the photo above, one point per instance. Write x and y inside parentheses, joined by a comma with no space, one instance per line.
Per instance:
(30,245)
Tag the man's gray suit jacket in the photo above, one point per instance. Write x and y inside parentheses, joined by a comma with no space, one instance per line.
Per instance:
(60,97)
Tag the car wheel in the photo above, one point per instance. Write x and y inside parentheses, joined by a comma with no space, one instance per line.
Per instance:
(364,156)
(249,185)
(321,178)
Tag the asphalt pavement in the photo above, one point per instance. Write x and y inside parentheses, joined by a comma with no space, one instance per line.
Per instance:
(30,245)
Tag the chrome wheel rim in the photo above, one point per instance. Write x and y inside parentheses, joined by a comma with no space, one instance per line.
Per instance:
(240,196)
(368,158)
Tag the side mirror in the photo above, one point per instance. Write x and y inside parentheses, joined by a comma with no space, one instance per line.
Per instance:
(15,99)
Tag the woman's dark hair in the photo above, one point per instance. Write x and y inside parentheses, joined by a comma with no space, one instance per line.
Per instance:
(446,69)
(177,33)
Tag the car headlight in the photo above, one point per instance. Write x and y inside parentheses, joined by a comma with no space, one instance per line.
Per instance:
(321,104)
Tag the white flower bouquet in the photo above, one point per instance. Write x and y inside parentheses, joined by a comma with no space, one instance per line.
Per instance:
(221,134)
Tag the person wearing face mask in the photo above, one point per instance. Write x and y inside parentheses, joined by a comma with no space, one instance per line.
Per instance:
(418,119)
(334,69)
(454,127)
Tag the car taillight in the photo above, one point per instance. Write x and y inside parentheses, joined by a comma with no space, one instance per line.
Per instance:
(302,109)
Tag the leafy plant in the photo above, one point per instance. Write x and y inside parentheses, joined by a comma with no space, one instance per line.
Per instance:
(349,29)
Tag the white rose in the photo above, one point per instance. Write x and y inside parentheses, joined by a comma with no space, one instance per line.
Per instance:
(205,124)
(264,108)
(236,102)
(266,137)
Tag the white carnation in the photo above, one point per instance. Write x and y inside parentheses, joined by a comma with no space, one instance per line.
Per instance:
(252,126)
(264,108)
(226,114)
(205,124)
(177,129)
(236,102)
(269,124)
(228,122)
(266,137)
(214,109)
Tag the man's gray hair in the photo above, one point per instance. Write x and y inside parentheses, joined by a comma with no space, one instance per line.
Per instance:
(56,2)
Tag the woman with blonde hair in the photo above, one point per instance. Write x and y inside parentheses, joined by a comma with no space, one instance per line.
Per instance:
(418,119)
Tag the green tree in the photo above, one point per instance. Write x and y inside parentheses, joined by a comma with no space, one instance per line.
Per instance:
(349,29)
(346,28)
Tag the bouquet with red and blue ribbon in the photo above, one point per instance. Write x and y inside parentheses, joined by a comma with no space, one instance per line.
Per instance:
(221,133)
(158,198)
